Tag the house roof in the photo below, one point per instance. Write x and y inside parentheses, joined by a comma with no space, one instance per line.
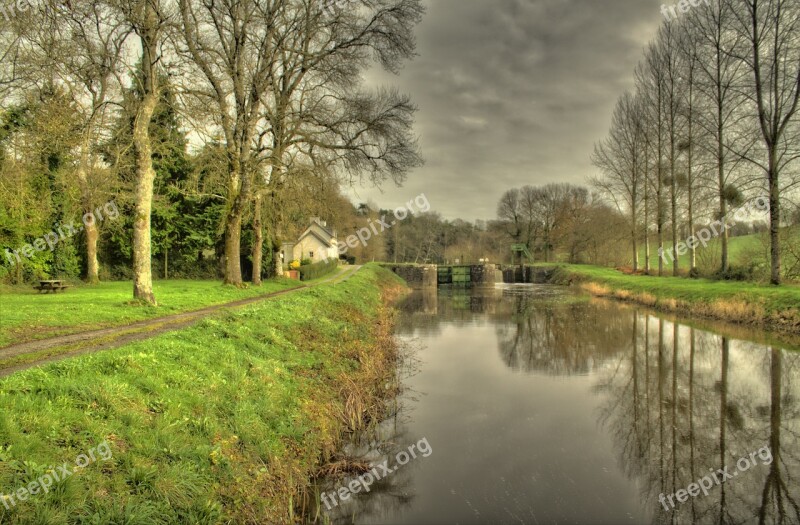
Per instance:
(323,234)
(323,226)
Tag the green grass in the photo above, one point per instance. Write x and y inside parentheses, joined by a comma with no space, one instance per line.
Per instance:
(708,257)
(27,315)
(220,422)
(776,301)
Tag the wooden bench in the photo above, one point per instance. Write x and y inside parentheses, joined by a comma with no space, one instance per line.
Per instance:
(51,285)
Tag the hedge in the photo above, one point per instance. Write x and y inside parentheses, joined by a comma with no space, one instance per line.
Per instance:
(317,270)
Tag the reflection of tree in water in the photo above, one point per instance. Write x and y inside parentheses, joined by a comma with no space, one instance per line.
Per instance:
(778,502)
(680,402)
(419,311)
(560,339)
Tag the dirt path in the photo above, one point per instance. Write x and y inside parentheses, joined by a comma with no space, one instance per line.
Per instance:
(62,347)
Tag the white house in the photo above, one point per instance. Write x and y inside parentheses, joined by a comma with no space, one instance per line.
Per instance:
(317,243)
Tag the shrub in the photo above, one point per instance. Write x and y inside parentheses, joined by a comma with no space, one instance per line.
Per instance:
(749,272)
(317,270)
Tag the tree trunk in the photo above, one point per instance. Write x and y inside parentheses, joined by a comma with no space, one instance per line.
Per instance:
(647,209)
(660,189)
(239,190)
(166,259)
(774,221)
(690,176)
(660,223)
(633,237)
(723,205)
(92,264)
(674,205)
(278,263)
(92,233)
(233,236)
(145,173)
(673,189)
(258,241)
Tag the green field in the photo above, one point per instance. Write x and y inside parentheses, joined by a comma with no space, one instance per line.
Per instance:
(222,422)
(708,257)
(27,315)
(742,250)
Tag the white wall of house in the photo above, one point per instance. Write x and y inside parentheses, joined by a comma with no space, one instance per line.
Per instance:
(312,248)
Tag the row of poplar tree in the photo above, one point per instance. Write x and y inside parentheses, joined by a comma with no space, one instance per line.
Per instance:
(711,125)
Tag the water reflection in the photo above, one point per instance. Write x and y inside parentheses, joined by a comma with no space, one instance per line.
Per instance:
(544,406)
(680,402)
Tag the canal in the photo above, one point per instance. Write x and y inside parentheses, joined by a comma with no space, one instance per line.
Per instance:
(532,404)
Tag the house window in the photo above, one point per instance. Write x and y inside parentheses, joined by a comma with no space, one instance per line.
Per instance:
(310,255)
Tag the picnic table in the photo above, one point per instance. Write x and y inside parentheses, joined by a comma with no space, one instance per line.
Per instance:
(51,285)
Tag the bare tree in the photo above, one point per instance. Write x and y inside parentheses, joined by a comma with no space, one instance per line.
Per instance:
(509,211)
(719,73)
(772,30)
(688,46)
(230,55)
(668,42)
(650,80)
(273,69)
(621,159)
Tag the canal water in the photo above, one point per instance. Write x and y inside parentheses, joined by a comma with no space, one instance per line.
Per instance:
(531,404)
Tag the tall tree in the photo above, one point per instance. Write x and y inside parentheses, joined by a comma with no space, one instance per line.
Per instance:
(719,74)
(147,20)
(668,42)
(228,46)
(620,158)
(688,47)
(772,29)
(650,79)
(272,71)
(319,116)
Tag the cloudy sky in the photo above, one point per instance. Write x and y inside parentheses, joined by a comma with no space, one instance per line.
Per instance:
(513,92)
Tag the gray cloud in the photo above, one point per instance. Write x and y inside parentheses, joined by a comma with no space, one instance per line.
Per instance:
(513,92)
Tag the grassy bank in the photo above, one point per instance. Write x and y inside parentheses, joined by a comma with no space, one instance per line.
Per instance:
(223,422)
(769,307)
(26,315)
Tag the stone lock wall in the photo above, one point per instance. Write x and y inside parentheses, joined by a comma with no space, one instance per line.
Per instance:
(417,277)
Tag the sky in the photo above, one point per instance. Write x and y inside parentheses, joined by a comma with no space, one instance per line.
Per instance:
(512,92)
